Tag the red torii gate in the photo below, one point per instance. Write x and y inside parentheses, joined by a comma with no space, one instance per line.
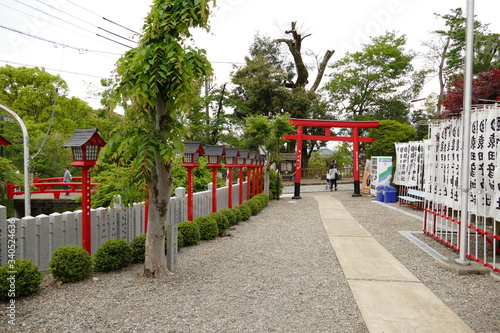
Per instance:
(328,124)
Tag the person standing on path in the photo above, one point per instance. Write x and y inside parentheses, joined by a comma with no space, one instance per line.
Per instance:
(332,177)
(66,179)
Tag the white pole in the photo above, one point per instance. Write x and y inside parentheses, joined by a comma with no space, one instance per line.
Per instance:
(27,194)
(469,53)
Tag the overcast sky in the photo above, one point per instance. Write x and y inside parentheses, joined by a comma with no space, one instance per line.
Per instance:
(64,36)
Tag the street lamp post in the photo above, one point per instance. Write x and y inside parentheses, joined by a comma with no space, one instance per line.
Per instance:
(192,152)
(231,161)
(85,145)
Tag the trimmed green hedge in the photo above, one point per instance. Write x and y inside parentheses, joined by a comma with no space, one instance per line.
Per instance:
(208,227)
(112,255)
(190,233)
(222,222)
(25,280)
(70,263)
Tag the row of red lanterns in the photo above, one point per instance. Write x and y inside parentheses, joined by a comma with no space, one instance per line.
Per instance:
(231,158)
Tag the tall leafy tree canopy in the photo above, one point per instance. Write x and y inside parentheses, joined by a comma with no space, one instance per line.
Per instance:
(158,79)
(375,83)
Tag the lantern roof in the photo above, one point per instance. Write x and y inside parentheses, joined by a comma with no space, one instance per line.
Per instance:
(244,153)
(4,142)
(84,137)
(252,155)
(214,150)
(193,147)
(232,152)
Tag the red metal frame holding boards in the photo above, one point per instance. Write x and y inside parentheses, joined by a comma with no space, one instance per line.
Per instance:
(328,125)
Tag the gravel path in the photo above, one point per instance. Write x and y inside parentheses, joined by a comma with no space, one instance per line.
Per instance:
(276,272)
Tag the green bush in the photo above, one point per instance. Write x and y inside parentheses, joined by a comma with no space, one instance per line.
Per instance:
(238,214)
(222,222)
(246,212)
(180,239)
(25,281)
(208,227)
(273,184)
(230,215)
(263,198)
(138,246)
(70,263)
(112,255)
(189,231)
(253,206)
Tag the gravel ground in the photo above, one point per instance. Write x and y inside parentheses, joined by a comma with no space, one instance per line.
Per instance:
(276,272)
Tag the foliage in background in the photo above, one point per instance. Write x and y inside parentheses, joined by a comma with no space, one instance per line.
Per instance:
(377,82)
(35,95)
(485,89)
(389,132)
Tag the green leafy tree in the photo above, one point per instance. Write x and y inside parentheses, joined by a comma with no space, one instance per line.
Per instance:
(265,135)
(375,83)
(158,78)
(386,134)
(447,49)
(50,116)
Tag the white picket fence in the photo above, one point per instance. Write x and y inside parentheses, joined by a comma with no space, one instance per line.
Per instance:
(36,238)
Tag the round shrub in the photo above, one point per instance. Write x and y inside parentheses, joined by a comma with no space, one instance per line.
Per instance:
(208,227)
(231,217)
(253,206)
(112,255)
(245,212)
(222,222)
(190,233)
(237,214)
(70,263)
(263,199)
(25,281)
(138,246)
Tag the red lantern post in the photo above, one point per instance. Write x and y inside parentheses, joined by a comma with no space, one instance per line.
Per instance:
(215,157)
(241,164)
(192,152)
(231,161)
(85,145)
(250,168)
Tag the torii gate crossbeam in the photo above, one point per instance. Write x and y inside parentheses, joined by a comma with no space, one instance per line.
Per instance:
(328,125)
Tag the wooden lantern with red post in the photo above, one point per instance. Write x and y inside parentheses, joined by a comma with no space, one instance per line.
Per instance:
(85,145)
(215,156)
(192,152)
(251,161)
(242,160)
(232,155)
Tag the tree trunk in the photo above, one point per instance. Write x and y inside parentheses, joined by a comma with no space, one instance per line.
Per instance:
(294,45)
(160,188)
(321,69)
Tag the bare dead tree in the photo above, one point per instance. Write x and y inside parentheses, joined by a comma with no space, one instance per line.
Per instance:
(294,45)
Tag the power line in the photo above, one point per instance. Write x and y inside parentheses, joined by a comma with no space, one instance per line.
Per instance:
(135,32)
(81,50)
(112,40)
(57,18)
(100,16)
(50,69)
(65,21)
